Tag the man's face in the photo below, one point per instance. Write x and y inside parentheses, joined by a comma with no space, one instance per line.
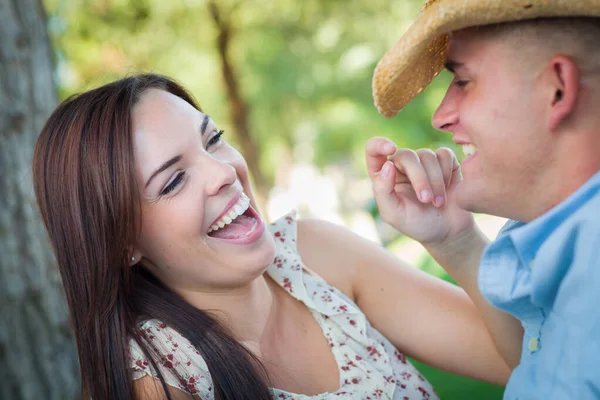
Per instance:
(492,108)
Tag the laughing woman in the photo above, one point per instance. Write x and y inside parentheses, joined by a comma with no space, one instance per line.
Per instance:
(178,289)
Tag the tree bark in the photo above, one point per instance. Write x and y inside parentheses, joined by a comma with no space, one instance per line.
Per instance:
(237,106)
(38,359)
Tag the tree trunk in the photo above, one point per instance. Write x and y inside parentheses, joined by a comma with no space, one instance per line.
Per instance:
(237,106)
(37,354)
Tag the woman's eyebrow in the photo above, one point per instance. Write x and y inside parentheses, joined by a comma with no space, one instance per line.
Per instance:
(164,166)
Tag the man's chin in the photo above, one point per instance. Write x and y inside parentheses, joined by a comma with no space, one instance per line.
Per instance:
(469,199)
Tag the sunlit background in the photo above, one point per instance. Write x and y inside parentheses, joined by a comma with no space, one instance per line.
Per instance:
(290,82)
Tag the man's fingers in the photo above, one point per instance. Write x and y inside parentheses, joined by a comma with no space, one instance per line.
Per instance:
(377,151)
(450,167)
(445,158)
(434,172)
(456,175)
(383,189)
(429,173)
(408,163)
(384,182)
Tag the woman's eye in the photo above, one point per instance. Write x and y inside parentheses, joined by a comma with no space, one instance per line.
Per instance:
(173,184)
(461,83)
(215,139)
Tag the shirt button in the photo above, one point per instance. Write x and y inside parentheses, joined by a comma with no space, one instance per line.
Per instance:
(531,264)
(534,344)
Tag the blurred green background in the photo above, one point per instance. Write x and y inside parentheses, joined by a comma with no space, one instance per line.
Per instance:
(288,80)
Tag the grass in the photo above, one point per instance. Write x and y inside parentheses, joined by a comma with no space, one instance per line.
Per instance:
(452,387)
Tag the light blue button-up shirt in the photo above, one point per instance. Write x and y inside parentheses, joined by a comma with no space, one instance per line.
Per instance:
(547,274)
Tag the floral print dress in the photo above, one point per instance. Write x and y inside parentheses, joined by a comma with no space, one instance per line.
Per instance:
(370,367)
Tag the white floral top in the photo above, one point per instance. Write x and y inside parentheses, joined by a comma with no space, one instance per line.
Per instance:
(370,367)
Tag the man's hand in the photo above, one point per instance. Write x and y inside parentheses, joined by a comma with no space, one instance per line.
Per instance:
(414,191)
(415,194)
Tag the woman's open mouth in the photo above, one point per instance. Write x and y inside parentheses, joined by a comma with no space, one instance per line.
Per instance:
(239,224)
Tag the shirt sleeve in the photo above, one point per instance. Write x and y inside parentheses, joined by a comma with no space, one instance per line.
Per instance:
(180,364)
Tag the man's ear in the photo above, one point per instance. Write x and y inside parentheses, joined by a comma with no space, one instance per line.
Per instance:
(562,77)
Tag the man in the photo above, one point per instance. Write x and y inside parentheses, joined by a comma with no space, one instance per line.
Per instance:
(525,106)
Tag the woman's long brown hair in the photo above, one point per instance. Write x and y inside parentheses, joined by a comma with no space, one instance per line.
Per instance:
(85,184)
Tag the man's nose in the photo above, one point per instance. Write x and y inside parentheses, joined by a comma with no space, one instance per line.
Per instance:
(446,115)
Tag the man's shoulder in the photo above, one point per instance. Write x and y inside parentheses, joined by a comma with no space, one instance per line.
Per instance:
(590,210)
(575,249)
(584,223)
(579,233)
(581,218)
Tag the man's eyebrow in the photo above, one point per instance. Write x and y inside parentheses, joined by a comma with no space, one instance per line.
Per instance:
(204,124)
(452,65)
(164,166)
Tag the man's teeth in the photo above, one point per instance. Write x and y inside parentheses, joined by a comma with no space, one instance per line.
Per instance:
(238,209)
(469,149)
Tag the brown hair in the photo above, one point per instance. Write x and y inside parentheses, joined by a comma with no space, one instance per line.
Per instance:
(85,185)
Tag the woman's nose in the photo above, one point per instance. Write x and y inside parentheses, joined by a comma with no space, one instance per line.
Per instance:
(220,175)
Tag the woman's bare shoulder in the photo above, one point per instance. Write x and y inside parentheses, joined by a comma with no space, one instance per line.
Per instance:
(333,252)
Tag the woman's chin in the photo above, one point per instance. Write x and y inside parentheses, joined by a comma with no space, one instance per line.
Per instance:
(262,255)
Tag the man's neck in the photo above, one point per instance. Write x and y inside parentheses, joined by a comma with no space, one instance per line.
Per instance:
(577,160)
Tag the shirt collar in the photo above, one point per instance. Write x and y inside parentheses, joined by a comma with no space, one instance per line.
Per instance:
(528,237)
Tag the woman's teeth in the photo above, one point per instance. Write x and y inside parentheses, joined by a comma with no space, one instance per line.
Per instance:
(238,209)
(469,149)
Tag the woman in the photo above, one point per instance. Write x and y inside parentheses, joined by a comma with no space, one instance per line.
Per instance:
(172,276)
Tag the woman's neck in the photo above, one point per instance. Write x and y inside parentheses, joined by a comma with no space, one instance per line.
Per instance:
(244,310)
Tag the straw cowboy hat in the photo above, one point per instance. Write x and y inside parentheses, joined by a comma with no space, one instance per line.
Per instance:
(419,55)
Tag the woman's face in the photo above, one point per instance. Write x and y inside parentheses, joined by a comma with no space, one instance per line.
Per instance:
(198,230)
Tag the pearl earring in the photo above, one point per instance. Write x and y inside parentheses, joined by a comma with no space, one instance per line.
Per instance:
(132,259)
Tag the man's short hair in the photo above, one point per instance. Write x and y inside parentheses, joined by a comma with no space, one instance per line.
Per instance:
(576,37)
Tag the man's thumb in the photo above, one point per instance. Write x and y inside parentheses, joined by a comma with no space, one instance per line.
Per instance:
(383,189)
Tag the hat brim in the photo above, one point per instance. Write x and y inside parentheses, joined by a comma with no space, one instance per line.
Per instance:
(420,54)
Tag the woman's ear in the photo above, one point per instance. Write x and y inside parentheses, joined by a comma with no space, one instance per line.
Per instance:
(562,77)
(135,257)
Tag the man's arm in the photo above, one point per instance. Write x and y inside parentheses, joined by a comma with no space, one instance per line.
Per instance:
(405,184)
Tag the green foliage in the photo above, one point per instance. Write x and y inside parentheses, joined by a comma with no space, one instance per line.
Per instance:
(305,68)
